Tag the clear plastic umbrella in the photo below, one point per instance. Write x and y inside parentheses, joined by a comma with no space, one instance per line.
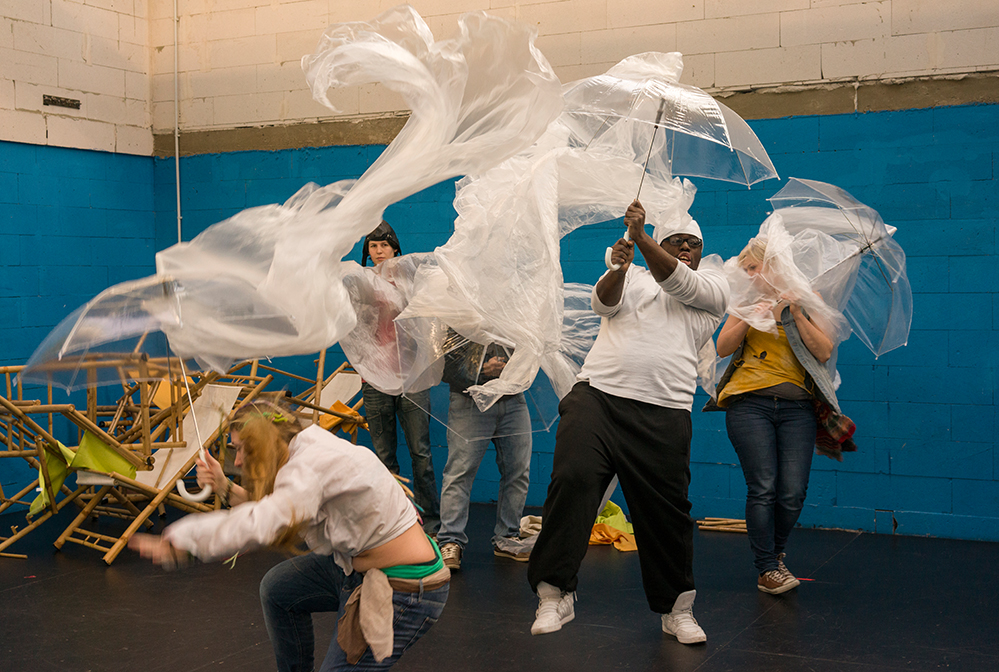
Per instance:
(862,272)
(616,113)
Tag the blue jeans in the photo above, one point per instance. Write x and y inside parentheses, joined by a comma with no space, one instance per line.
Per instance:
(508,423)
(295,589)
(774,439)
(381,410)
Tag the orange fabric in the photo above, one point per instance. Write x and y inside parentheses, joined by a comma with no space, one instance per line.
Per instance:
(333,423)
(603,534)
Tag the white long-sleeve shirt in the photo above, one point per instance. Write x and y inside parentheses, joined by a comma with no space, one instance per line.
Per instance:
(346,497)
(647,345)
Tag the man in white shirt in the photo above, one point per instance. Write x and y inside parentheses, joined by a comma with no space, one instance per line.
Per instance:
(629,415)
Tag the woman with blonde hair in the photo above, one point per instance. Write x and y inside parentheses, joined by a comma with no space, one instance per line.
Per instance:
(780,335)
(367,546)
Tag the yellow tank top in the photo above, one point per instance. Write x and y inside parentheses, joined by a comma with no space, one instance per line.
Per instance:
(767,360)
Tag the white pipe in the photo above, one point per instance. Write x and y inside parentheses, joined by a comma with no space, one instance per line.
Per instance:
(176,111)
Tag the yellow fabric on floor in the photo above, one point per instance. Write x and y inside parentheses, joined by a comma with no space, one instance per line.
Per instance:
(612,527)
(603,533)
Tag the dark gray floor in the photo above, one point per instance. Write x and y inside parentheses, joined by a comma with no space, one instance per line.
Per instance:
(872,603)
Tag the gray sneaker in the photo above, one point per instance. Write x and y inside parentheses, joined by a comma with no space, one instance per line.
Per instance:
(680,622)
(555,609)
(451,554)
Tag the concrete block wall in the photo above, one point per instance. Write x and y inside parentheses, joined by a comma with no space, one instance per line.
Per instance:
(239,59)
(95,52)
(75,222)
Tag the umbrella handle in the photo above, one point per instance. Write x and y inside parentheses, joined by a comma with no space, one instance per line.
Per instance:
(201,496)
(607,255)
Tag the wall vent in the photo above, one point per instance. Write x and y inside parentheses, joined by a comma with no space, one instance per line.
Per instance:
(72,103)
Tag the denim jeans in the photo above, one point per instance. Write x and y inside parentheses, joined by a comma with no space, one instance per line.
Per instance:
(774,439)
(381,410)
(295,589)
(508,423)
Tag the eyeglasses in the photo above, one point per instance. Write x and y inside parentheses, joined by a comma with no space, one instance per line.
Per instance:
(693,242)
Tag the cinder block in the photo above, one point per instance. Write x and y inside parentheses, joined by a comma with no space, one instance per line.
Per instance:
(900,202)
(80,133)
(931,273)
(914,493)
(224,194)
(645,12)
(835,24)
(133,140)
(294,16)
(601,46)
(242,51)
(92,78)
(563,48)
(73,16)
(972,423)
(6,33)
(973,348)
(36,38)
(20,280)
(943,459)
(263,165)
(858,382)
(768,66)
(76,280)
(912,165)
(714,9)
(925,16)
(11,250)
(876,129)
(268,191)
(25,11)
(136,251)
(709,480)
(376,98)
(118,54)
(791,135)
(924,304)
(699,71)
(73,221)
(552,18)
(965,124)
(928,421)
(939,384)
(133,29)
(40,69)
(131,224)
(738,34)
(822,488)
(224,25)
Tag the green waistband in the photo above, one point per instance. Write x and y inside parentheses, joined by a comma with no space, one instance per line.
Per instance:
(417,571)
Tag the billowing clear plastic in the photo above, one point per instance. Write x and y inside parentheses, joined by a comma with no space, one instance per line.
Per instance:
(476,99)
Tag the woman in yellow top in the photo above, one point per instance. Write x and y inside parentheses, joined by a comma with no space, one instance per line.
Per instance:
(767,393)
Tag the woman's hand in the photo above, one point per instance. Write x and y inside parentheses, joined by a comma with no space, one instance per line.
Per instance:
(158,549)
(210,473)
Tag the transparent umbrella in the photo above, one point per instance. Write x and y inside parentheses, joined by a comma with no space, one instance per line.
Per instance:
(620,112)
(864,273)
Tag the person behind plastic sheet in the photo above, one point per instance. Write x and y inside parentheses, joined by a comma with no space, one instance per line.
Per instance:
(368,550)
(507,424)
(411,409)
(629,414)
(767,394)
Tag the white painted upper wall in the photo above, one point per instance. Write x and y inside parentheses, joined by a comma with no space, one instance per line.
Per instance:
(239,59)
(94,51)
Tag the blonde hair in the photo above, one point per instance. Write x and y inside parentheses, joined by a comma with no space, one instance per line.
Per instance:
(265,429)
(756,249)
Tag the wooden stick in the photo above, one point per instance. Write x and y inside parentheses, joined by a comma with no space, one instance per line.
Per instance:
(82,516)
(320,379)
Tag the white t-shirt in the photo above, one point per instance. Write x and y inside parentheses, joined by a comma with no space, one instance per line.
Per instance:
(347,498)
(647,345)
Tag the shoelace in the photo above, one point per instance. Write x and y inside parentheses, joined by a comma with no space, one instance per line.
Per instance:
(549,606)
(682,618)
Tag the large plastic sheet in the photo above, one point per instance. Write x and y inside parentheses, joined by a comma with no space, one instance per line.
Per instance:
(475,100)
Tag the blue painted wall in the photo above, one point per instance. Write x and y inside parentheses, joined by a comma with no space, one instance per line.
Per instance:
(925,414)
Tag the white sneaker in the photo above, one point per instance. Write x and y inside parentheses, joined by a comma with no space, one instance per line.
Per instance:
(554,609)
(681,622)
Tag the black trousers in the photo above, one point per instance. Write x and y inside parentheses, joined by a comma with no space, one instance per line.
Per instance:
(648,447)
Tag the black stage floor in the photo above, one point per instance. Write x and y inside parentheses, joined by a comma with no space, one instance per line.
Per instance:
(871,603)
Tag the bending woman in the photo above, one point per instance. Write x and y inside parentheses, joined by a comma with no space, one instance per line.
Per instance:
(767,393)
(307,484)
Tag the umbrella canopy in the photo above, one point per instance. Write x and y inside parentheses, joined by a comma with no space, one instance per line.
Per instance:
(616,113)
(864,272)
